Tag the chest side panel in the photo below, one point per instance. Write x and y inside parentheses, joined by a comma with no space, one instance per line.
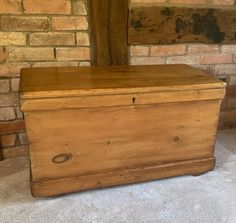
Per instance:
(106,139)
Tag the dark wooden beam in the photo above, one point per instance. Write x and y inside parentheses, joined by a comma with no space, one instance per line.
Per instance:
(168,25)
(109,22)
(1,152)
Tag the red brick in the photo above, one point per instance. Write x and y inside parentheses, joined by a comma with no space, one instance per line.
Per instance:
(19,113)
(8,140)
(168,50)
(47,6)
(25,23)
(223,2)
(7,114)
(10,99)
(82,39)
(139,50)
(147,60)
(15,84)
(84,63)
(16,151)
(234,58)
(10,7)
(203,48)
(31,54)
(52,39)
(147,1)
(232,79)
(4,86)
(70,23)
(55,64)
(12,126)
(228,49)
(2,54)
(225,69)
(183,60)
(65,54)
(216,58)
(79,8)
(12,38)
(12,69)
(188,1)
(23,138)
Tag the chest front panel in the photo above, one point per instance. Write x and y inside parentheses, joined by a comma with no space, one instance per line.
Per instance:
(104,139)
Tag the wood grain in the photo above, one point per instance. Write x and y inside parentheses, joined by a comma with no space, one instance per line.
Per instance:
(104,126)
(109,31)
(1,154)
(63,185)
(105,139)
(77,81)
(119,100)
(169,25)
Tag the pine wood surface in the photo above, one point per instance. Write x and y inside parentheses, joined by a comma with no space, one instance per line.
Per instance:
(119,100)
(106,126)
(64,185)
(74,81)
(104,139)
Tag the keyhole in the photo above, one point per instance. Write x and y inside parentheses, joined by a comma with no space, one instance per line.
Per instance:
(134,99)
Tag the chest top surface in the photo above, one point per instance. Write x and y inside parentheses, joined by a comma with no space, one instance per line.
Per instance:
(69,81)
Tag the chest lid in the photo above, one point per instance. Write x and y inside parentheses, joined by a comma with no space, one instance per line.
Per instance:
(112,80)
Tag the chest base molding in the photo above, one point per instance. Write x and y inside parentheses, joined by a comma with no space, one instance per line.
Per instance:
(57,186)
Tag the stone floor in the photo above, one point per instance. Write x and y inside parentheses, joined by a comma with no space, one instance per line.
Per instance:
(210,198)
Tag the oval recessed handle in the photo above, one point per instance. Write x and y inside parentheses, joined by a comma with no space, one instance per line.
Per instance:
(61,158)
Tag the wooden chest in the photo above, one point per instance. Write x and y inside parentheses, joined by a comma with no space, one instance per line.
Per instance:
(94,127)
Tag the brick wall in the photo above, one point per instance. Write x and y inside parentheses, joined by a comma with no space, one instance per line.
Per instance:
(35,33)
(217,60)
